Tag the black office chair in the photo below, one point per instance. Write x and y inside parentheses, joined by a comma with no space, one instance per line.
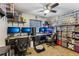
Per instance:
(51,40)
(22,47)
(42,39)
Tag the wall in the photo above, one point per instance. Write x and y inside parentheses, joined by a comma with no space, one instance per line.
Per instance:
(3,31)
(27,18)
(54,21)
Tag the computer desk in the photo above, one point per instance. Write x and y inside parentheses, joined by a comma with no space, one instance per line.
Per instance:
(30,37)
(19,37)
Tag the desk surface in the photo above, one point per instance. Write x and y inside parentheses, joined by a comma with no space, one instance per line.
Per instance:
(15,37)
(39,34)
(4,49)
(18,37)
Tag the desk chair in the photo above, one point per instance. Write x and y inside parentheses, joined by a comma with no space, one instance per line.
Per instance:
(22,46)
(43,39)
(51,40)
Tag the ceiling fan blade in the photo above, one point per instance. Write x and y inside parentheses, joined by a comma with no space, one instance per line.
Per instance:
(41,10)
(54,5)
(54,11)
(48,5)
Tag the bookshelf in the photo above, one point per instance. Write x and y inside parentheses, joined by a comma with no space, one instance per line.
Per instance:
(70,33)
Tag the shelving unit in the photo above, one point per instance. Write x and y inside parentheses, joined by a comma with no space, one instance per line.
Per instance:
(13,15)
(10,10)
(70,33)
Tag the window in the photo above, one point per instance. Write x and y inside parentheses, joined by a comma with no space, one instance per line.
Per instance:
(36,23)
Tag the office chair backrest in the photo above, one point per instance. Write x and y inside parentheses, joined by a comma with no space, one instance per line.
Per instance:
(12,42)
(22,44)
(51,37)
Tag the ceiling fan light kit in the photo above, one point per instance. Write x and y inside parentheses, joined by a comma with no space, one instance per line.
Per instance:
(46,11)
(49,8)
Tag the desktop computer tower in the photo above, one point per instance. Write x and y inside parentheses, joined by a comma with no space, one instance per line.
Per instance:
(33,31)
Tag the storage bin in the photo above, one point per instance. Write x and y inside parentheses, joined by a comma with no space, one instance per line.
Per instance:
(72,41)
(64,39)
(64,44)
(76,47)
(59,42)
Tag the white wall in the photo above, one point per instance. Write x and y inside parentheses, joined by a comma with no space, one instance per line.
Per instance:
(27,17)
(3,31)
(53,21)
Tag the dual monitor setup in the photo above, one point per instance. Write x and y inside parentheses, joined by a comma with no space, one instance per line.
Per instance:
(18,30)
(12,30)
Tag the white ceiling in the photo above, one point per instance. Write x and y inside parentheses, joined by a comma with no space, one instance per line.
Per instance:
(34,8)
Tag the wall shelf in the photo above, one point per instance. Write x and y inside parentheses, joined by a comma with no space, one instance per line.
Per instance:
(67,25)
(9,15)
(2,13)
(15,21)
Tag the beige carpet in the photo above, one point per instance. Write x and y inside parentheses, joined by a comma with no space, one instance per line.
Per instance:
(53,51)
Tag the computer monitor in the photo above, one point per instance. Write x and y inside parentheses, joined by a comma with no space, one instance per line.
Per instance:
(13,30)
(49,30)
(42,29)
(26,29)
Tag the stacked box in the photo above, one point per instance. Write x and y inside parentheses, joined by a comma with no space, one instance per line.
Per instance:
(70,46)
(76,47)
(64,44)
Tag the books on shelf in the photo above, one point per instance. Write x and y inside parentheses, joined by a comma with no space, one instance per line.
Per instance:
(77,29)
(69,34)
(64,28)
(71,28)
(64,34)
(64,39)
(76,35)
(58,28)
(72,41)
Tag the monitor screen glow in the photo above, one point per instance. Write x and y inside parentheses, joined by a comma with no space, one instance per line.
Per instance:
(13,30)
(26,30)
(42,29)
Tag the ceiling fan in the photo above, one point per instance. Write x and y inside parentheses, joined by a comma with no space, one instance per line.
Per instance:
(49,8)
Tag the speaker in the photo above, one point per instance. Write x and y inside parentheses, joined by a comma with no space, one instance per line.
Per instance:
(33,31)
